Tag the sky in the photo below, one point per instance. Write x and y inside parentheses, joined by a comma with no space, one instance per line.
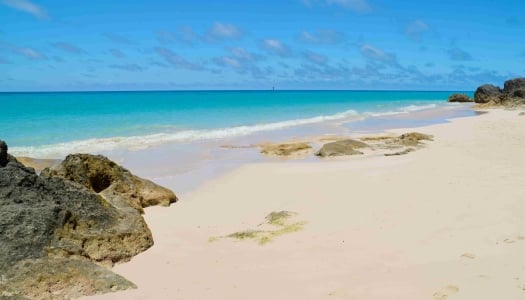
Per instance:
(64,45)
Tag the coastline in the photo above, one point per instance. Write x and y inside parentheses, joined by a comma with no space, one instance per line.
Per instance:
(442,221)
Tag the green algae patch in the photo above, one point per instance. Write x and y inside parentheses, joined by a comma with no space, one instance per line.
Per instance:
(278,220)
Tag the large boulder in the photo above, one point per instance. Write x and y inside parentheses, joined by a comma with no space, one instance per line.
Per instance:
(515,87)
(487,93)
(459,98)
(340,148)
(114,183)
(57,234)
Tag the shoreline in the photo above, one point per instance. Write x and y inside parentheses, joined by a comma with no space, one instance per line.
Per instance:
(185,166)
(428,225)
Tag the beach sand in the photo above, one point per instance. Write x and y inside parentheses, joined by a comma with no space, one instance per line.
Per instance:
(443,222)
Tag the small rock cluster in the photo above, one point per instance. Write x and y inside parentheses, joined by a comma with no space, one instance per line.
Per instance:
(345,147)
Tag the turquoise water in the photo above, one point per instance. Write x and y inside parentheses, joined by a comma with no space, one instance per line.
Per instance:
(32,121)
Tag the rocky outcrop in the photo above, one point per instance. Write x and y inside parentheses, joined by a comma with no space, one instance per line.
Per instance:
(515,87)
(114,183)
(340,148)
(459,98)
(286,149)
(513,94)
(486,93)
(57,235)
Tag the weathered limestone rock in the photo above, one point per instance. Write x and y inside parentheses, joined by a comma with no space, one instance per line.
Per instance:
(413,138)
(116,184)
(60,278)
(57,235)
(459,98)
(339,148)
(486,93)
(286,149)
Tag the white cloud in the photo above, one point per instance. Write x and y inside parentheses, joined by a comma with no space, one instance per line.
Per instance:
(26,6)
(415,29)
(221,31)
(276,47)
(30,53)
(315,57)
(373,53)
(325,36)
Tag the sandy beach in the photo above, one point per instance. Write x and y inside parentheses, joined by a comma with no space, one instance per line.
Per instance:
(443,222)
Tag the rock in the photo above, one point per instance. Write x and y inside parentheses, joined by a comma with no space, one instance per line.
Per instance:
(459,98)
(339,148)
(515,87)
(3,153)
(486,93)
(60,278)
(413,138)
(522,113)
(53,231)
(285,149)
(116,184)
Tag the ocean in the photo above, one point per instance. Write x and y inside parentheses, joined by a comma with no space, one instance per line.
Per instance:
(51,125)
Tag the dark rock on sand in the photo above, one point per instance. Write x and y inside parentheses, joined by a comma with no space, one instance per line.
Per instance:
(459,98)
(55,234)
(114,183)
(286,149)
(339,148)
(486,93)
(515,87)
(512,95)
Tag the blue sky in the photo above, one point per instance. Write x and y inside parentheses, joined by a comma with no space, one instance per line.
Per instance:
(297,44)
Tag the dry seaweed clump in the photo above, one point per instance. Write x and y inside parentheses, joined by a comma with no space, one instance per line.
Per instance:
(286,149)
(279,222)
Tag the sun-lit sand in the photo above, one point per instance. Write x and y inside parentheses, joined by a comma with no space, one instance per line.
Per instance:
(443,222)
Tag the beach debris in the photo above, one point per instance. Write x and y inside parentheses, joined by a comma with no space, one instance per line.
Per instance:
(278,223)
(114,183)
(459,98)
(406,151)
(468,255)
(342,147)
(285,149)
(56,233)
